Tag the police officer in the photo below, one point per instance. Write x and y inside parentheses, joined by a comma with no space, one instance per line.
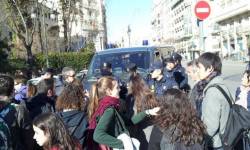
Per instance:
(160,83)
(168,70)
(179,73)
(106,69)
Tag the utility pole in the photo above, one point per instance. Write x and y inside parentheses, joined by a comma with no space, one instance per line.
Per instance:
(129,33)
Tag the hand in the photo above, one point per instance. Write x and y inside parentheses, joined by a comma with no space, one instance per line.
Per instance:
(153,111)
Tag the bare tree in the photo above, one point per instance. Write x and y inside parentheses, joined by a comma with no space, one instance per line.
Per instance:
(20,22)
(69,11)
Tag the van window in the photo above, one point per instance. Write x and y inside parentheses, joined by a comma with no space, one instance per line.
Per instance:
(119,62)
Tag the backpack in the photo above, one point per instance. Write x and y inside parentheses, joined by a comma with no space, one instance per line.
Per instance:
(5,135)
(238,123)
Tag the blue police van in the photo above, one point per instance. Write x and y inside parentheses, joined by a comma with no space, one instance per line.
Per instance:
(119,58)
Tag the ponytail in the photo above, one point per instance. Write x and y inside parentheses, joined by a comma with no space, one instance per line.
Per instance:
(94,100)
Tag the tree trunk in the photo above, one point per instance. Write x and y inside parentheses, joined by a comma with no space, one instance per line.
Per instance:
(65,33)
(30,60)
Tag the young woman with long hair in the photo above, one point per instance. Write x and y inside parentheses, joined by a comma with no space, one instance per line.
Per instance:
(51,134)
(139,99)
(103,115)
(179,123)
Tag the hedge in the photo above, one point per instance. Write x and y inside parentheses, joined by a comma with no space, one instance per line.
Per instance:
(77,60)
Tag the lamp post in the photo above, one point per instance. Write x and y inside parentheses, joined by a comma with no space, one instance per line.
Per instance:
(129,33)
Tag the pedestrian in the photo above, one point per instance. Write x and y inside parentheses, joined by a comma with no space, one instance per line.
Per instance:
(180,127)
(179,73)
(214,107)
(20,88)
(44,100)
(71,107)
(48,73)
(192,71)
(16,116)
(105,122)
(243,92)
(139,99)
(69,74)
(51,133)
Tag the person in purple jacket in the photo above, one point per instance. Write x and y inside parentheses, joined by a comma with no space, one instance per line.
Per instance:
(20,88)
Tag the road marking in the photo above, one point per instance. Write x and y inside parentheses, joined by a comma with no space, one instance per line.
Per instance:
(202,10)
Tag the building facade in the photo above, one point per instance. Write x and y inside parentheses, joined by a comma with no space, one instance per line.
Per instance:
(87,24)
(233,28)
(226,31)
(174,24)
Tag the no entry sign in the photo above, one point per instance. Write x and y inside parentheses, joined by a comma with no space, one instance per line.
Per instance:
(202,10)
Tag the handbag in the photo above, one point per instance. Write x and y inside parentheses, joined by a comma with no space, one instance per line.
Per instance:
(128,142)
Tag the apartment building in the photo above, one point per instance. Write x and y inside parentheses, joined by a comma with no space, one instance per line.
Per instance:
(174,23)
(233,28)
(87,24)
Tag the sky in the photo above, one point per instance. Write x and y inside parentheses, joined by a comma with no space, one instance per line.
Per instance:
(121,13)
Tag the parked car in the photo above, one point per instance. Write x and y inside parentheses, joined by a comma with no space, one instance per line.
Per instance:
(119,58)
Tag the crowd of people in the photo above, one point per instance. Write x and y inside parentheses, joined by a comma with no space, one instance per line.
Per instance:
(161,112)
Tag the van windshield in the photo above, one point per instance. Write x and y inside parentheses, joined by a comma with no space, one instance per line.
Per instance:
(119,62)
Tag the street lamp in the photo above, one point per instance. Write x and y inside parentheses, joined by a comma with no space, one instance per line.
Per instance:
(129,33)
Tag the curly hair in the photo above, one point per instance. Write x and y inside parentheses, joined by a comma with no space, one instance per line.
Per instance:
(72,97)
(142,94)
(177,111)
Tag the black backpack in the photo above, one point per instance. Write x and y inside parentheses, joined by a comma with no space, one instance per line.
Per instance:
(237,125)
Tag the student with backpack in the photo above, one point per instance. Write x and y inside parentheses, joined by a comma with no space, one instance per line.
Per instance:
(214,108)
(15,116)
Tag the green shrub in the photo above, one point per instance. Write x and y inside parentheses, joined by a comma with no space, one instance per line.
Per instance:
(77,60)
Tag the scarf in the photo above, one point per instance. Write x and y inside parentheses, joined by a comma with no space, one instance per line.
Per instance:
(104,103)
(200,88)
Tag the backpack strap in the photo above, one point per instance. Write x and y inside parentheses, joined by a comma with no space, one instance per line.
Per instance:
(229,99)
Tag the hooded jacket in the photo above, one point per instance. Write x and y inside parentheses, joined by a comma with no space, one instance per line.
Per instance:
(76,121)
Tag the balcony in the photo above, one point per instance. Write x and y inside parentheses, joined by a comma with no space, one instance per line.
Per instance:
(232,10)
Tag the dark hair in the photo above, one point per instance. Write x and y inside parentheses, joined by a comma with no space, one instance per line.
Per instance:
(144,98)
(72,97)
(176,110)
(6,85)
(44,85)
(248,74)
(98,91)
(209,59)
(192,63)
(20,79)
(59,136)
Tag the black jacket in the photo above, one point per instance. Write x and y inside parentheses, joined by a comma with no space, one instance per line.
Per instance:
(76,121)
(40,103)
(18,120)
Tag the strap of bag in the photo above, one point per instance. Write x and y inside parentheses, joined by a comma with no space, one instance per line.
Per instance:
(120,122)
(78,125)
(229,99)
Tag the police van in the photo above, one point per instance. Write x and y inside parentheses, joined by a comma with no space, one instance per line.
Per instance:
(119,58)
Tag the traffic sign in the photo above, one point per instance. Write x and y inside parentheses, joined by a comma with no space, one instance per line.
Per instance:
(202,10)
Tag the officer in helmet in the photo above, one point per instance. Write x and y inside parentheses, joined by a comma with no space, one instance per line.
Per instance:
(159,83)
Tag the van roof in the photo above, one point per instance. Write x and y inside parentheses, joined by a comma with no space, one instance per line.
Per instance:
(122,50)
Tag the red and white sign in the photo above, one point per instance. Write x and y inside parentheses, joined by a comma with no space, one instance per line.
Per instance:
(202,10)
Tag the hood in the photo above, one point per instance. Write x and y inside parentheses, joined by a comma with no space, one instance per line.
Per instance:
(72,118)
